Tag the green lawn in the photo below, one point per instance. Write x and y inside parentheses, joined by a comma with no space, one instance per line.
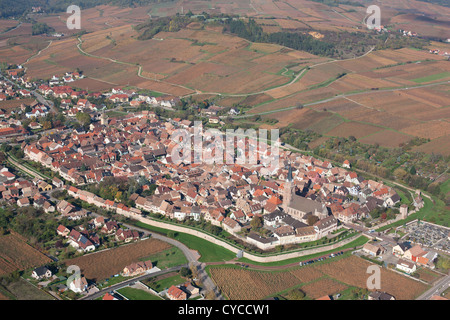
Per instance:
(168,258)
(209,252)
(434,213)
(164,283)
(137,294)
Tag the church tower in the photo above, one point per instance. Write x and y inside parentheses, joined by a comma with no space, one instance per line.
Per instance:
(288,190)
(104,119)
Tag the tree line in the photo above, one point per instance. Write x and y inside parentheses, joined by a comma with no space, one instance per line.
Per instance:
(253,32)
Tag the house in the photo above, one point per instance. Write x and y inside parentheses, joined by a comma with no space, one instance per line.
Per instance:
(325,226)
(127,235)
(373,249)
(285,234)
(78,285)
(62,231)
(190,289)
(41,272)
(214,119)
(57,182)
(137,268)
(175,293)
(406,266)
(378,295)
(346,164)
(273,218)
(400,249)
(414,253)
(23,202)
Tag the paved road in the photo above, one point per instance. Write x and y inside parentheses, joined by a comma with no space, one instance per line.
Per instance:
(365,231)
(438,288)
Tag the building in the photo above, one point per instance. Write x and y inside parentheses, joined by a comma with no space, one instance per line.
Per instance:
(378,295)
(41,272)
(298,206)
(78,285)
(175,293)
(373,249)
(400,249)
(406,266)
(137,268)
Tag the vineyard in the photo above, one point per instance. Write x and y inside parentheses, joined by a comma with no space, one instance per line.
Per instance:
(104,264)
(16,254)
(316,281)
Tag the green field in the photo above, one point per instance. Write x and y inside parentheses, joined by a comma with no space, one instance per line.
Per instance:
(22,290)
(168,258)
(209,252)
(433,77)
(164,283)
(431,212)
(137,294)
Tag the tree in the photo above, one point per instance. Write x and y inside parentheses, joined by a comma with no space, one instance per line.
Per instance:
(257,222)
(83,118)
(185,272)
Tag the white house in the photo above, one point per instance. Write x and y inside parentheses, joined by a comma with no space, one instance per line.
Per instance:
(407,266)
(78,285)
(41,272)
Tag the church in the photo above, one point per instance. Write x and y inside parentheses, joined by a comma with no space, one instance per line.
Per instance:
(299,207)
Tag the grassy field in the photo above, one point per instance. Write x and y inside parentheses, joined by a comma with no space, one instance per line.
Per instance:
(433,77)
(168,258)
(213,253)
(137,294)
(431,212)
(209,252)
(22,290)
(165,283)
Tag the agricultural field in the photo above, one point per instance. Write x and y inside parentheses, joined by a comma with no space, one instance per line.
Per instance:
(316,281)
(374,95)
(101,265)
(16,254)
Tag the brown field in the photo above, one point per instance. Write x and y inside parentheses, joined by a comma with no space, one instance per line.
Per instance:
(386,138)
(428,275)
(101,265)
(358,130)
(323,287)
(8,105)
(16,254)
(316,281)
(239,284)
(439,146)
(352,271)
(208,62)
